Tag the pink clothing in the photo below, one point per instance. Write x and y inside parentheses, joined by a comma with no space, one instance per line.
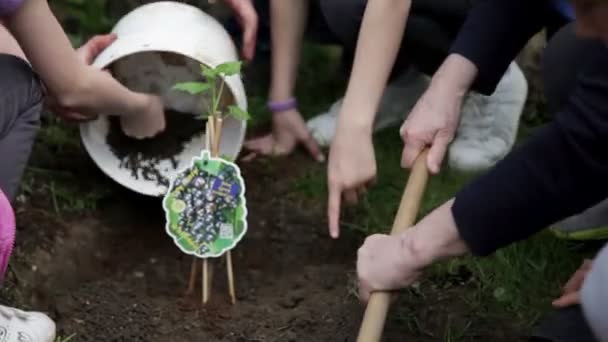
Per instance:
(7,233)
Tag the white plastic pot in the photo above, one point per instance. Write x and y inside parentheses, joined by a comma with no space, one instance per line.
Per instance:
(159,45)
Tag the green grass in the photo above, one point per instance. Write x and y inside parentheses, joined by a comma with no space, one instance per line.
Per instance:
(65,339)
(515,285)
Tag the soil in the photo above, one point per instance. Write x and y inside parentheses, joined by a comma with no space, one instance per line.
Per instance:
(113,274)
(141,156)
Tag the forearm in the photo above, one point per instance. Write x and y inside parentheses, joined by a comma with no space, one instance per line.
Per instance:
(560,171)
(288,23)
(74,84)
(379,41)
(494,33)
(435,237)
(455,76)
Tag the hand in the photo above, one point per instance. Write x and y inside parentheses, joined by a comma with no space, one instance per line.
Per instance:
(432,122)
(148,123)
(571,293)
(87,53)
(352,167)
(91,49)
(385,263)
(289,130)
(248,18)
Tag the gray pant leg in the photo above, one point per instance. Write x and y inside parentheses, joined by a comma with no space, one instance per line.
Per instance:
(594,296)
(20,108)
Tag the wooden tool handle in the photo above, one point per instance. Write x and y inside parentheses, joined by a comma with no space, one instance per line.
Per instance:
(379,302)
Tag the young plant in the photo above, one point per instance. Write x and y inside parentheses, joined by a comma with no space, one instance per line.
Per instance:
(208,86)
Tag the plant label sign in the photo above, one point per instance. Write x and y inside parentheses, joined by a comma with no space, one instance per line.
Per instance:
(206,208)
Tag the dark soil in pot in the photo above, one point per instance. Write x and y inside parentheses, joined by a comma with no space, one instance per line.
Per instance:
(142,156)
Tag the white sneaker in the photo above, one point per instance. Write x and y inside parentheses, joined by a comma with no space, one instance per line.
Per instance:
(489,124)
(20,326)
(398,99)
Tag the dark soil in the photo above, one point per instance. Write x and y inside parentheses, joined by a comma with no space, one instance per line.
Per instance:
(113,274)
(141,156)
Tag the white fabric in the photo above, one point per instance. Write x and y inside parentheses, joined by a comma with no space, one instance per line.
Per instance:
(20,326)
(594,296)
(488,126)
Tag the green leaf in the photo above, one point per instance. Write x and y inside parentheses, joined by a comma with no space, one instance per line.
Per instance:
(238,113)
(192,87)
(229,68)
(210,74)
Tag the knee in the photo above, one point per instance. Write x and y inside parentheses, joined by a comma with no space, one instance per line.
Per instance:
(18,79)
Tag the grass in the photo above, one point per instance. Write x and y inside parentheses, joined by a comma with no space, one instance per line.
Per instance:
(514,285)
(68,189)
(65,339)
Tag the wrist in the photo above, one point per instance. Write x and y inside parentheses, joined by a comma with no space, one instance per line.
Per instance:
(141,104)
(455,75)
(434,238)
(284,105)
(358,125)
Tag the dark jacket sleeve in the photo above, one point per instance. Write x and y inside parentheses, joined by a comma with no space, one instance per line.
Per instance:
(494,33)
(561,170)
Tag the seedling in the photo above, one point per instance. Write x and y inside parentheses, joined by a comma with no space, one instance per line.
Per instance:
(208,86)
(215,113)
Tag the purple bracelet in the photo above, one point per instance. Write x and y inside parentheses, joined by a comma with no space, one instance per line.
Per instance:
(281,106)
(8,7)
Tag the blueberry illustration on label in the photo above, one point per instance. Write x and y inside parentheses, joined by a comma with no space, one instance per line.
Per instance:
(206,208)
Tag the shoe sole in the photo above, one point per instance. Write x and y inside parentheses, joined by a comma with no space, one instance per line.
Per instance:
(600,233)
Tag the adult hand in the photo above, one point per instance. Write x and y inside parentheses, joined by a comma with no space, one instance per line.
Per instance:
(86,53)
(352,167)
(289,130)
(432,122)
(248,19)
(434,119)
(571,291)
(385,263)
(148,123)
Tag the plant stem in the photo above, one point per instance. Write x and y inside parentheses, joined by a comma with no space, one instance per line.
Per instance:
(216,100)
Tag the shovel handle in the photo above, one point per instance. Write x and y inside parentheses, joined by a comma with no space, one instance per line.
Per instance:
(379,302)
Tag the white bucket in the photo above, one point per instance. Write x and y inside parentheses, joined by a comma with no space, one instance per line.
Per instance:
(161,44)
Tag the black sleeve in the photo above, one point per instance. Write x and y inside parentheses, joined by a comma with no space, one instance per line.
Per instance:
(560,171)
(494,33)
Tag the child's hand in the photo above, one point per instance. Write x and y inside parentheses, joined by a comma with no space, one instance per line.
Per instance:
(147,123)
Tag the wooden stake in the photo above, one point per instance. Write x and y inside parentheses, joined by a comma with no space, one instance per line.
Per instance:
(230,278)
(217,130)
(194,268)
(205,296)
(379,302)
(193,272)
(229,269)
